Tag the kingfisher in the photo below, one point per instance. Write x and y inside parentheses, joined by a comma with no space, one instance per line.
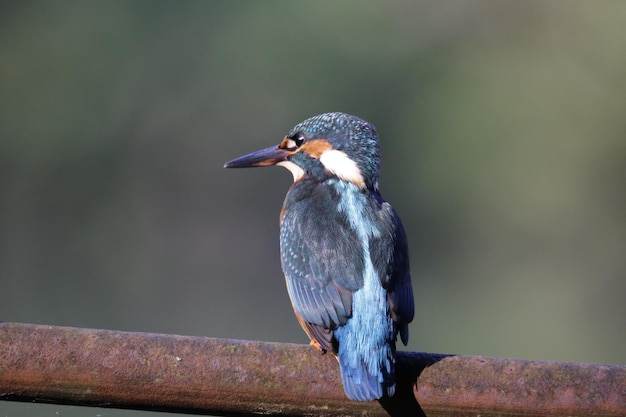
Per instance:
(343,249)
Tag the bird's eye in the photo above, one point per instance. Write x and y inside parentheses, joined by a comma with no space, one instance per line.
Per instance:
(295,141)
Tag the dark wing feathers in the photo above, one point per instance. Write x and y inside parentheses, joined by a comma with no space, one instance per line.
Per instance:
(389,254)
(320,273)
(323,336)
(324,265)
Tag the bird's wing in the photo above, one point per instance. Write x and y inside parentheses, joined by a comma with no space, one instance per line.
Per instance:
(389,254)
(321,337)
(316,249)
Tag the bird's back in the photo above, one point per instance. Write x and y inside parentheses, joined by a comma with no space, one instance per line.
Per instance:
(338,245)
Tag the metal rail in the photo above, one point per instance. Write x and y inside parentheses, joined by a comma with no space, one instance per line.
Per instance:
(201,375)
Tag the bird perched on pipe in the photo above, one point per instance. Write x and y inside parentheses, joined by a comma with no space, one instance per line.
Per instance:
(343,249)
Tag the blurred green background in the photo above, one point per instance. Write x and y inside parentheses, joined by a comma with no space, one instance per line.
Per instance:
(504,151)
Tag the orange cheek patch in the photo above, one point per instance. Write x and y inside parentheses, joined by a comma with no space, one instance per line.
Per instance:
(316,147)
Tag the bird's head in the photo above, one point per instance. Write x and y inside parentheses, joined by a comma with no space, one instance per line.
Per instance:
(324,146)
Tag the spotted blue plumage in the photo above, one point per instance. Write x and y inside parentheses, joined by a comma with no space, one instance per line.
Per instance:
(343,250)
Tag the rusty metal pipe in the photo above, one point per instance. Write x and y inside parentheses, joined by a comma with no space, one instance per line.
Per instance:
(232,377)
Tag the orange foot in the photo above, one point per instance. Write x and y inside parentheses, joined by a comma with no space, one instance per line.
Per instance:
(317,346)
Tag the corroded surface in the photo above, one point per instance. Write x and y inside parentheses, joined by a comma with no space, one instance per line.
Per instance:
(168,372)
(233,377)
(499,386)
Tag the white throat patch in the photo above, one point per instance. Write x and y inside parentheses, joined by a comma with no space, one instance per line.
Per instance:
(296,171)
(343,167)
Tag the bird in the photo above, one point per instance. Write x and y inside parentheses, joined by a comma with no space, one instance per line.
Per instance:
(343,249)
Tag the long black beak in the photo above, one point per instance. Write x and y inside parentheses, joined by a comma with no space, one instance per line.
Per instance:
(263,158)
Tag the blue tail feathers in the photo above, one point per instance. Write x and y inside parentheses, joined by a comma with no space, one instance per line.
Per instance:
(365,347)
(360,384)
(367,375)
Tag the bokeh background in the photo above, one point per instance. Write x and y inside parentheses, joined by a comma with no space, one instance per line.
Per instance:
(504,151)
